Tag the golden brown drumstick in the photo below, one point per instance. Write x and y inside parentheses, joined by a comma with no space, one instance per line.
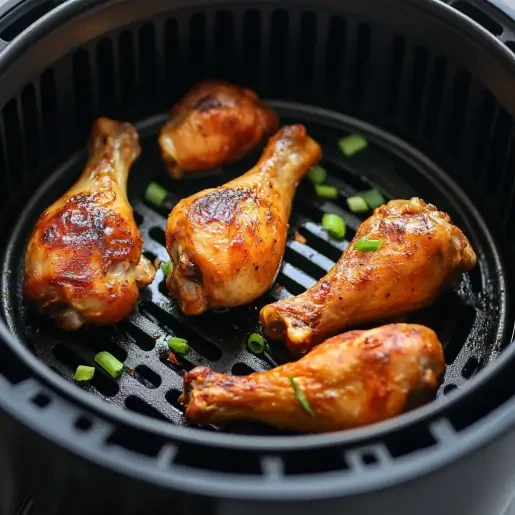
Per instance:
(226,244)
(215,123)
(83,262)
(421,254)
(354,379)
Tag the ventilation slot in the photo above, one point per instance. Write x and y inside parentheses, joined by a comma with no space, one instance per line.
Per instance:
(14,145)
(252,47)
(484,133)
(141,442)
(172,61)
(224,51)
(279,50)
(335,56)
(307,48)
(299,463)
(31,126)
(435,98)
(359,68)
(416,92)
(127,72)
(197,50)
(83,91)
(409,441)
(106,78)
(455,123)
(397,56)
(480,17)
(27,19)
(49,112)
(148,62)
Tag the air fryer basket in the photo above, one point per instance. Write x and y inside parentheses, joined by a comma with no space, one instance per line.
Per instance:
(431,89)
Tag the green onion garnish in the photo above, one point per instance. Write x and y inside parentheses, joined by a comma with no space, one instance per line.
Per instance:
(335,225)
(357,204)
(301,397)
(324,191)
(84,373)
(256,343)
(352,144)
(178,345)
(367,245)
(155,194)
(109,363)
(167,268)
(317,175)
(373,198)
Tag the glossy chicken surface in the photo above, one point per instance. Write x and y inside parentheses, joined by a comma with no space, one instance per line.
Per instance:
(421,254)
(215,123)
(226,244)
(83,262)
(351,380)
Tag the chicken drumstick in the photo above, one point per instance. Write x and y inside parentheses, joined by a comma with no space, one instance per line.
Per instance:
(83,262)
(226,243)
(420,254)
(215,123)
(351,380)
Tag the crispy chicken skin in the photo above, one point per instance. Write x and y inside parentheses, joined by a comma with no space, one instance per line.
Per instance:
(215,123)
(422,253)
(226,244)
(83,262)
(351,380)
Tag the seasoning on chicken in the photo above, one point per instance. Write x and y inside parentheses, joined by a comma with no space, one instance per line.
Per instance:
(83,262)
(215,123)
(226,244)
(400,260)
(351,380)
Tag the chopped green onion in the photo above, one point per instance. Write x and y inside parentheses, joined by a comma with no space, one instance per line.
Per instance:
(352,144)
(155,194)
(256,343)
(335,225)
(178,345)
(84,373)
(367,245)
(167,268)
(109,363)
(357,204)
(373,198)
(324,191)
(317,175)
(301,397)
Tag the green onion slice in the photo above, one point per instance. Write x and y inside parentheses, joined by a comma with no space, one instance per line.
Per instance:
(352,144)
(367,245)
(256,343)
(373,198)
(84,373)
(301,397)
(109,363)
(357,204)
(167,268)
(317,175)
(178,345)
(155,194)
(335,225)
(324,191)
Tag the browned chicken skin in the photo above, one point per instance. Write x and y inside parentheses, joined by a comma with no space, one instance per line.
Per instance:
(215,123)
(226,244)
(421,254)
(83,262)
(351,380)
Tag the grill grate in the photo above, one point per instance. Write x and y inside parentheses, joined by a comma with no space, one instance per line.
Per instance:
(470,322)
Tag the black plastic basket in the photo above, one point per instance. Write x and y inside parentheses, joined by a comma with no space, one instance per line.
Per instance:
(429,85)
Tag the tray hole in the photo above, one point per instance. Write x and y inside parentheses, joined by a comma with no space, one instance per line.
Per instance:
(449,388)
(480,17)
(407,442)
(241,369)
(12,370)
(303,463)
(470,368)
(321,245)
(41,400)
(147,377)
(369,459)
(163,318)
(304,264)
(26,20)
(140,406)
(135,440)
(172,396)
(157,234)
(217,460)
(83,424)
(135,335)
(510,45)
